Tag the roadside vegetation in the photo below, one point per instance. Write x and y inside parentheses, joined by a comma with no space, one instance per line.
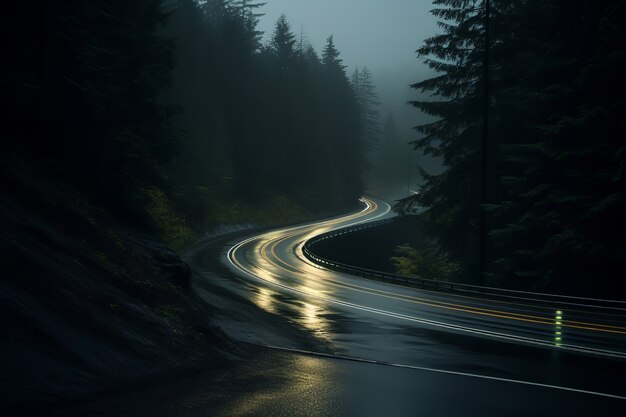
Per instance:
(424,261)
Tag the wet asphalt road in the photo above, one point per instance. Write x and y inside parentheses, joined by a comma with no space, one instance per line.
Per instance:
(284,384)
(516,341)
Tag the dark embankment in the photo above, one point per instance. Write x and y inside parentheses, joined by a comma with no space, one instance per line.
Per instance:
(89,305)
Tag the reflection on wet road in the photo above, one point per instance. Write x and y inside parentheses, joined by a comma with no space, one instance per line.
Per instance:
(327,387)
(395,324)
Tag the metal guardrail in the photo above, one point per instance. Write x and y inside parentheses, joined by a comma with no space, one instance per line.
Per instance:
(555,300)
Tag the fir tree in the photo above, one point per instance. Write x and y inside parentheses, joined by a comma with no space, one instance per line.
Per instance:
(283,44)
(330,56)
(453,197)
(368,100)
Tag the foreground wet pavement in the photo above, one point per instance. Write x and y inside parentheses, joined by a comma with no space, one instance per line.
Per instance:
(287,384)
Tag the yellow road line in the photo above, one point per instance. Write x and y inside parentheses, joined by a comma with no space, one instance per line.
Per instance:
(456,307)
(416,300)
(409,298)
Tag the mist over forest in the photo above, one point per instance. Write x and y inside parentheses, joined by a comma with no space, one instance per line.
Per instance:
(181,117)
(465,146)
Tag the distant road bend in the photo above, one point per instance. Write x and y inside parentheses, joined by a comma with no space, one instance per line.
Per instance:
(274,263)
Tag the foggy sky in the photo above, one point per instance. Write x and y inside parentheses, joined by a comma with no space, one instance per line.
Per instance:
(380,34)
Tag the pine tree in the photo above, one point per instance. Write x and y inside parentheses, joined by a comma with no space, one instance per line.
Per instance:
(356,83)
(283,44)
(368,100)
(247,10)
(342,124)
(330,56)
(453,197)
(552,135)
(564,202)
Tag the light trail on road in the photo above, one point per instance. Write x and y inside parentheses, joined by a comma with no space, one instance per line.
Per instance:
(276,258)
(335,307)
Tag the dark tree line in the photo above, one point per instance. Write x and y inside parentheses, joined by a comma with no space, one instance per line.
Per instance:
(261,121)
(178,107)
(80,85)
(556,148)
(369,102)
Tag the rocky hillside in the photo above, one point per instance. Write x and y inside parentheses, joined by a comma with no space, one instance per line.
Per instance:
(88,304)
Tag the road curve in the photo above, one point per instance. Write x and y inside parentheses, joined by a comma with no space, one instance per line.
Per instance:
(385,322)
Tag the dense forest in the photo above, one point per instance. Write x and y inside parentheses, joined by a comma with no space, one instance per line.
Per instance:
(530,107)
(157,153)
(175,115)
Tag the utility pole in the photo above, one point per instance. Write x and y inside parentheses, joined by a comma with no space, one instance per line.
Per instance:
(485,144)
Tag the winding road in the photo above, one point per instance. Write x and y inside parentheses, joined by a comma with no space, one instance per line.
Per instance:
(575,349)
